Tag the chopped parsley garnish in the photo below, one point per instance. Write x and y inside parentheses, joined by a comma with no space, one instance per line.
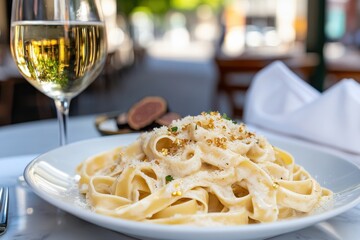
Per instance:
(226,117)
(174,129)
(168,178)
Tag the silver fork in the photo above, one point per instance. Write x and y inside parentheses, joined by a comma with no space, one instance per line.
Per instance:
(4,206)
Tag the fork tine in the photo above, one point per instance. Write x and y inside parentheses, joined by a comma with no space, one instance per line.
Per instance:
(4,205)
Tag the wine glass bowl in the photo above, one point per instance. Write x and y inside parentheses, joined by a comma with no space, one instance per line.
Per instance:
(58,66)
(59,47)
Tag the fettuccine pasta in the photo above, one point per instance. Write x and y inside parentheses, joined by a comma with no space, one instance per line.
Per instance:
(201,170)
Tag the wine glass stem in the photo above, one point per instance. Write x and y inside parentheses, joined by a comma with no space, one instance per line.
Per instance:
(62,109)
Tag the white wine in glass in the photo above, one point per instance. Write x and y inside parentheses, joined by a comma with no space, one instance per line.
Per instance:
(59,46)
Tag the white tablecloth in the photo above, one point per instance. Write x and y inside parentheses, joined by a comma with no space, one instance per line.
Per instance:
(32,218)
(42,136)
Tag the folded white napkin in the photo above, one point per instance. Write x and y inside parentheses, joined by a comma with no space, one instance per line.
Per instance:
(280,101)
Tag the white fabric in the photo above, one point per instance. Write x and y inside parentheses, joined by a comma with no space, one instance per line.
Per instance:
(279,100)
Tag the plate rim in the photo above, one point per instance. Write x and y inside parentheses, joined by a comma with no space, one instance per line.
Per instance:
(126,225)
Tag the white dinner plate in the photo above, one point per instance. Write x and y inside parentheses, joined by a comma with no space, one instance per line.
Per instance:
(52,176)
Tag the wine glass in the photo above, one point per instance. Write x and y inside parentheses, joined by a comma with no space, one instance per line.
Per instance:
(59,46)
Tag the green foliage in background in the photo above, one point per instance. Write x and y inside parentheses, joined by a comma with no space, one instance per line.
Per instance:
(160,7)
(185,4)
(157,7)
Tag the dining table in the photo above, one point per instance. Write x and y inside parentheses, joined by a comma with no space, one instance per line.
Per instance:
(31,217)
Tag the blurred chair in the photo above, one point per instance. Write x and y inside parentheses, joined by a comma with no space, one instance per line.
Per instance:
(340,73)
(344,66)
(9,77)
(6,101)
(247,65)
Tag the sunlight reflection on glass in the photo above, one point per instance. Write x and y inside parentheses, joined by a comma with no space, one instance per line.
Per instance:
(82,13)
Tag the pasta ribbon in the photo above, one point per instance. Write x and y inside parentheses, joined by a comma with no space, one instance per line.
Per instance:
(201,170)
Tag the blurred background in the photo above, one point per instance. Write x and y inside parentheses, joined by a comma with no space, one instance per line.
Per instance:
(199,55)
